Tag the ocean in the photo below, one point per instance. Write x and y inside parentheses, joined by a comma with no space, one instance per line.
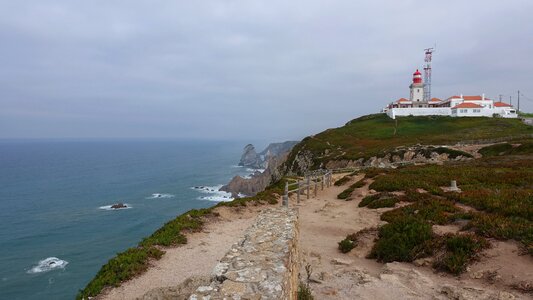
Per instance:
(57,228)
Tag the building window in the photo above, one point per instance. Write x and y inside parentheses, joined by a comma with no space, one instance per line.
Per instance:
(477,110)
(463,111)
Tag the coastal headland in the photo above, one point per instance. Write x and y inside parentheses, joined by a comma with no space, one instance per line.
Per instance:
(392,226)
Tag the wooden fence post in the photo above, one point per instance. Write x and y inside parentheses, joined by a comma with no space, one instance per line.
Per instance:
(308,186)
(299,191)
(286,196)
(316,186)
(322,182)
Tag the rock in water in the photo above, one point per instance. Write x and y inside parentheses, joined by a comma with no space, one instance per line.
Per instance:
(250,158)
(118,206)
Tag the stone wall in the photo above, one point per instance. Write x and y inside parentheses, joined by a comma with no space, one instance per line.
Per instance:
(263,265)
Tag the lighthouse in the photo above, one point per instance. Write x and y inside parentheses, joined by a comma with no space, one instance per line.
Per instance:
(417,90)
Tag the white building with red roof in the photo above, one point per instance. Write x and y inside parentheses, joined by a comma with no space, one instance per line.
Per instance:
(455,106)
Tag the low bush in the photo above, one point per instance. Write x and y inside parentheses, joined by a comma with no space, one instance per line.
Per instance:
(373,172)
(343,180)
(434,210)
(304,292)
(347,192)
(346,245)
(460,250)
(405,239)
(497,149)
(385,202)
(379,200)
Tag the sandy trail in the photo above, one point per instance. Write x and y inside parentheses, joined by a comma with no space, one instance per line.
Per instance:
(197,258)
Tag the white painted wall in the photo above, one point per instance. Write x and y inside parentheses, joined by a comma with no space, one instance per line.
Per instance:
(419,111)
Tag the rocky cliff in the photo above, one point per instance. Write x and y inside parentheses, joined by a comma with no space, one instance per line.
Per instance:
(269,159)
(250,158)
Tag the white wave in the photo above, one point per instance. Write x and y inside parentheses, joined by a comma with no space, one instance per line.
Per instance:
(241,195)
(157,195)
(255,170)
(207,189)
(109,207)
(215,194)
(236,166)
(48,264)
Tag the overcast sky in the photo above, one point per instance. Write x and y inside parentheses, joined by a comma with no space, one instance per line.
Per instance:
(246,69)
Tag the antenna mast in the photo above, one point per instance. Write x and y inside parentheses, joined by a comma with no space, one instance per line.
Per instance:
(427,73)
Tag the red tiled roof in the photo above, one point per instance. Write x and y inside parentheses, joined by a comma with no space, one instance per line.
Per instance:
(435,100)
(470,98)
(467,105)
(454,97)
(402,100)
(501,104)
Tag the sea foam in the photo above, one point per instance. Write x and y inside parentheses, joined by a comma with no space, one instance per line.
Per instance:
(108,207)
(215,194)
(157,196)
(48,264)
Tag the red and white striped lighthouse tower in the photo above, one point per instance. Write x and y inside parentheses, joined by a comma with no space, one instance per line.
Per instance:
(417,90)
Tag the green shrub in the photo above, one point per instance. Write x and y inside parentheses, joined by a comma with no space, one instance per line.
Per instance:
(368,199)
(346,245)
(343,180)
(460,250)
(304,292)
(436,211)
(385,202)
(379,200)
(405,239)
(497,149)
(347,192)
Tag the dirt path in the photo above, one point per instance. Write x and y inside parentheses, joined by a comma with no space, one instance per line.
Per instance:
(197,258)
(326,220)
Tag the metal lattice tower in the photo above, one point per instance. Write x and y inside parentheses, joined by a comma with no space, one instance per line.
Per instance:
(427,73)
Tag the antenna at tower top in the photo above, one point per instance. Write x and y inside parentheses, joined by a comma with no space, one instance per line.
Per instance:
(427,73)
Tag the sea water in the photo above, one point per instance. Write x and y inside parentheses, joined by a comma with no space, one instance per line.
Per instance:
(57,225)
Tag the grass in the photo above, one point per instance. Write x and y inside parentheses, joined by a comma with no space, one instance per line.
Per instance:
(375,135)
(347,192)
(134,261)
(525,114)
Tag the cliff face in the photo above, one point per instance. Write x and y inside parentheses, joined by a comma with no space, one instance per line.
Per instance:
(250,158)
(269,159)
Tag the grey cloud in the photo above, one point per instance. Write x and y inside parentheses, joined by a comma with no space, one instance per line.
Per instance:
(243,69)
